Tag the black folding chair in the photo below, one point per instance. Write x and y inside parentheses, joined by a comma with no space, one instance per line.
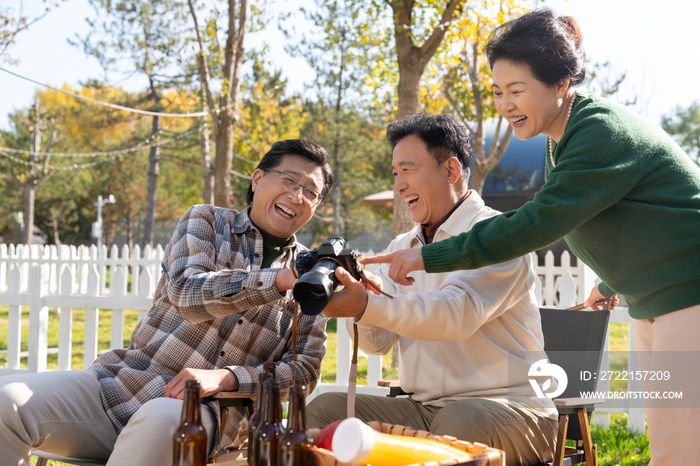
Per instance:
(574,340)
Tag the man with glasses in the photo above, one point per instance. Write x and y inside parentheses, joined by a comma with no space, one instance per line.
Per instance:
(222,308)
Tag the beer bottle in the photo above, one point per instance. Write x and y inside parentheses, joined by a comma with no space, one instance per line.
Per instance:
(270,367)
(268,432)
(256,418)
(295,441)
(190,441)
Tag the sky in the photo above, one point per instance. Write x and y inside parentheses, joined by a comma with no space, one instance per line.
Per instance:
(652,41)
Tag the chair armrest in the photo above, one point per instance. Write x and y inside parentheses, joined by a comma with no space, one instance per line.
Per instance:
(232,400)
(578,401)
(394,387)
(388,383)
(229,395)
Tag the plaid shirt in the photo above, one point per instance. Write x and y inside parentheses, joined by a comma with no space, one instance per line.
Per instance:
(214,308)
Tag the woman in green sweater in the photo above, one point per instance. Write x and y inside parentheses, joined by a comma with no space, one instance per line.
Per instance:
(620,191)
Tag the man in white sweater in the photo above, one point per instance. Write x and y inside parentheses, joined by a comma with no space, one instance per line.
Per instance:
(467,338)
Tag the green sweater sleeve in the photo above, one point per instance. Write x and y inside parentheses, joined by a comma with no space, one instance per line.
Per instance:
(595,167)
(605,290)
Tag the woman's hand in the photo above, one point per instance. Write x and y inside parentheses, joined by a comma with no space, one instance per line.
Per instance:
(595,296)
(402,263)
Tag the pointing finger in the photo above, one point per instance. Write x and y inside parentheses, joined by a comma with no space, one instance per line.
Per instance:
(379,259)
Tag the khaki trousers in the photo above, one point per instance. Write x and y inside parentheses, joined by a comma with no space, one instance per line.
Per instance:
(61,412)
(671,343)
(527,437)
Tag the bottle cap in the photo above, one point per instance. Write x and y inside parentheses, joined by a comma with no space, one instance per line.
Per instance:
(353,441)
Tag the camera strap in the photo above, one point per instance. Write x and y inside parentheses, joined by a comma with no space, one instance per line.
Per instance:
(368,282)
(352,379)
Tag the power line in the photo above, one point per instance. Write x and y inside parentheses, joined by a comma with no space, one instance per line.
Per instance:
(241,175)
(75,166)
(113,154)
(118,107)
(142,145)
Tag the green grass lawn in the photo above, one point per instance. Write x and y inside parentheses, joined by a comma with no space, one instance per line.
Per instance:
(616,446)
(104,336)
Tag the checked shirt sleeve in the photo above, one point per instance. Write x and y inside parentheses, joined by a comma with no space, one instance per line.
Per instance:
(197,288)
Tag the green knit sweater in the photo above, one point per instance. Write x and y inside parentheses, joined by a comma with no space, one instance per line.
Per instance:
(624,196)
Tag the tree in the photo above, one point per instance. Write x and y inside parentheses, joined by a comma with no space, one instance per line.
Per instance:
(38,137)
(84,164)
(461,76)
(684,126)
(603,79)
(141,36)
(12,24)
(229,59)
(30,133)
(413,24)
(337,55)
(364,164)
(267,115)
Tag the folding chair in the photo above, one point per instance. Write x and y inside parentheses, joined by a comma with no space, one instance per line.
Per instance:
(574,340)
(231,400)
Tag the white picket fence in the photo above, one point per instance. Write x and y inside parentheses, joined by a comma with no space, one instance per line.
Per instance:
(66,278)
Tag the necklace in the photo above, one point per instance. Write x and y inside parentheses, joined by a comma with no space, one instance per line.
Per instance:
(551,150)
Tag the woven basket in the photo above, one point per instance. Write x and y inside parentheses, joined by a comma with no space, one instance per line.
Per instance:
(479,454)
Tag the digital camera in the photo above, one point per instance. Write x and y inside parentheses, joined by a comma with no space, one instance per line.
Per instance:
(316,269)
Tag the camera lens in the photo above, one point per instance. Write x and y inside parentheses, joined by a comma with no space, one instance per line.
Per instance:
(315,288)
(317,292)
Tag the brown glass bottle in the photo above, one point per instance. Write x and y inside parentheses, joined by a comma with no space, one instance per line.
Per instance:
(256,418)
(269,431)
(270,367)
(296,440)
(190,440)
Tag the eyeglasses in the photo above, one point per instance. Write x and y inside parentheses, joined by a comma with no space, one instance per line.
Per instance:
(291,184)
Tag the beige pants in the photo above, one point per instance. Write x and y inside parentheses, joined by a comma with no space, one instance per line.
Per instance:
(61,413)
(672,343)
(527,437)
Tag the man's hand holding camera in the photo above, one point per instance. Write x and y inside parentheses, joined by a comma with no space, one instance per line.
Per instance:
(285,280)
(352,300)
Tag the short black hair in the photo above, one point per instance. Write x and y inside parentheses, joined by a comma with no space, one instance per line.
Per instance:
(316,154)
(549,44)
(444,136)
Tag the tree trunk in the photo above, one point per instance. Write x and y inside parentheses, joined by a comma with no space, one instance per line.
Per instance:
(338,224)
(29,186)
(54,227)
(29,195)
(152,193)
(207,166)
(234,55)
(409,104)
(129,233)
(412,61)
(224,161)
(338,227)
